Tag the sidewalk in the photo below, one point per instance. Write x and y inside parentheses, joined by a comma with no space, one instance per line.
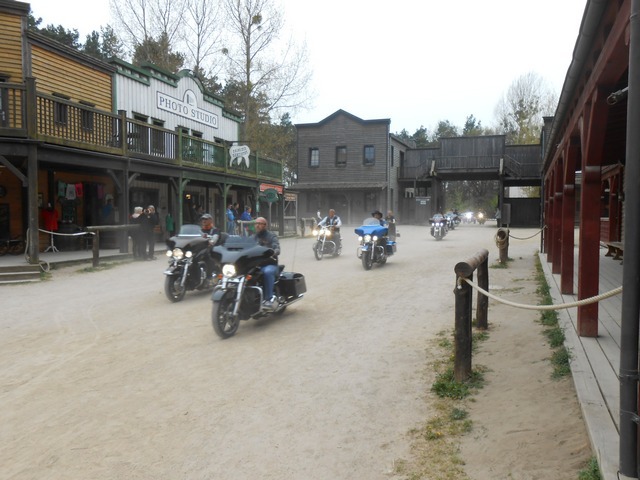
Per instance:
(595,362)
(75,256)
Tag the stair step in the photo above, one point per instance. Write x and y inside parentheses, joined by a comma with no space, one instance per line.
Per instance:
(19,274)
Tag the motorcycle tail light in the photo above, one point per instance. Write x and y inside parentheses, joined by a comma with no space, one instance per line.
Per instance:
(229,270)
(177,253)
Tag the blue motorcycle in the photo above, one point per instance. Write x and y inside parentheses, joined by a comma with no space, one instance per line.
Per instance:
(375,245)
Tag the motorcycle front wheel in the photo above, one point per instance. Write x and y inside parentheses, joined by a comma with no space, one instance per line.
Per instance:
(225,323)
(367,260)
(173,290)
(318,250)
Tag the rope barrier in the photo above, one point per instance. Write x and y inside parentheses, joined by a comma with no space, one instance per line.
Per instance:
(527,238)
(561,306)
(66,234)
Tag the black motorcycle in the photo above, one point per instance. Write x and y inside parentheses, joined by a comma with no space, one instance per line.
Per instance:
(439,226)
(240,292)
(187,252)
(327,242)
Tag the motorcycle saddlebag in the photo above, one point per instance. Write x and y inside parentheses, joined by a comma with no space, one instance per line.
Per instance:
(292,284)
(391,247)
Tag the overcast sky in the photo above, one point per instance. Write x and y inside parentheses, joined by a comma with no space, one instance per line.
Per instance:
(414,61)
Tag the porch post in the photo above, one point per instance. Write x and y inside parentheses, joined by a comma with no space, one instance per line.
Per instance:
(568,217)
(593,129)
(557,218)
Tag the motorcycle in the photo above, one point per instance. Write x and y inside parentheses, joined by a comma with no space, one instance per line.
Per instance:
(324,245)
(240,292)
(375,246)
(481,218)
(438,226)
(187,268)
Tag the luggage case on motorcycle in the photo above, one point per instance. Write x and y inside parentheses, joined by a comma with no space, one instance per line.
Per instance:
(391,247)
(292,284)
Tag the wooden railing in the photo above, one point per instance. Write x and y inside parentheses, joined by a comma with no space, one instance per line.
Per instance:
(62,122)
(494,163)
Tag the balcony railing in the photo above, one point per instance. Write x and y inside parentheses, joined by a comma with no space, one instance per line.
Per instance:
(504,164)
(58,121)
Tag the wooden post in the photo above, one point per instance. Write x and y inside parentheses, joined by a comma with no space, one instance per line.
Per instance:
(462,335)
(95,248)
(463,311)
(482,306)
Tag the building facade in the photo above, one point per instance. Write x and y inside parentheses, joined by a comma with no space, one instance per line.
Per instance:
(348,164)
(91,140)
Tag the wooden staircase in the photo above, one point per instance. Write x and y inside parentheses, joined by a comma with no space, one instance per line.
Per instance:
(19,274)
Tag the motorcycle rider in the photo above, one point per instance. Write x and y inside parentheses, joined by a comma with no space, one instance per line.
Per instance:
(377,214)
(268,239)
(333,221)
(213,234)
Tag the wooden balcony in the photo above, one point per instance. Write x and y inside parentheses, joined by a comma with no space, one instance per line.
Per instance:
(25,113)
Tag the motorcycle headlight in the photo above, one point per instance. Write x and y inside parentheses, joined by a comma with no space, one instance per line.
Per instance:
(375,238)
(188,254)
(367,238)
(315,232)
(328,232)
(360,239)
(229,270)
(168,253)
(177,253)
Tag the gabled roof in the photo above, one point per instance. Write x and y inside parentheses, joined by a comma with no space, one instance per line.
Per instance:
(340,112)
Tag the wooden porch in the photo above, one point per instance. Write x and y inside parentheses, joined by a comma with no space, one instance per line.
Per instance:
(595,361)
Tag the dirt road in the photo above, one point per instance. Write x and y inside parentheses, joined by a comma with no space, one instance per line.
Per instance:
(101,377)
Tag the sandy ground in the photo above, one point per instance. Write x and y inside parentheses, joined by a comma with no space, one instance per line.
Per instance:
(102,378)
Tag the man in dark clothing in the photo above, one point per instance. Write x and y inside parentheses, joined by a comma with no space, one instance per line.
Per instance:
(268,239)
(148,222)
(214,236)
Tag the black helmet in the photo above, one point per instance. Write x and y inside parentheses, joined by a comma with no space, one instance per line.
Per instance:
(376,212)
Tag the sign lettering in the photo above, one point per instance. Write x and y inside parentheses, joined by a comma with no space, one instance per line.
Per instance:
(186,108)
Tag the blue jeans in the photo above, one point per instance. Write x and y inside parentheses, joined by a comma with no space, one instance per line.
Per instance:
(269,272)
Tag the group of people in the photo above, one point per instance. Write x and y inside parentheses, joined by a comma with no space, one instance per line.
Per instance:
(234,217)
(143,237)
(334,222)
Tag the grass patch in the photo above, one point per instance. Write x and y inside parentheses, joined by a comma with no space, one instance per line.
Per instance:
(591,471)
(435,445)
(555,335)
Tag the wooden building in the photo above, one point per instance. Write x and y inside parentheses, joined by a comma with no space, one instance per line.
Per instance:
(356,166)
(348,164)
(80,135)
(584,154)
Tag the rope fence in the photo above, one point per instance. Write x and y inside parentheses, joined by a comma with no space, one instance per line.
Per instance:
(560,306)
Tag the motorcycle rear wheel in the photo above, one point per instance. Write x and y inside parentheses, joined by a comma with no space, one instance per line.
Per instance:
(224,322)
(173,290)
(367,261)
(318,251)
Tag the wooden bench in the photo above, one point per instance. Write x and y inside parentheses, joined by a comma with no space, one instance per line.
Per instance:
(615,250)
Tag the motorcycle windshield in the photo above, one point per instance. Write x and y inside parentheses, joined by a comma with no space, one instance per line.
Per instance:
(243,252)
(371,226)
